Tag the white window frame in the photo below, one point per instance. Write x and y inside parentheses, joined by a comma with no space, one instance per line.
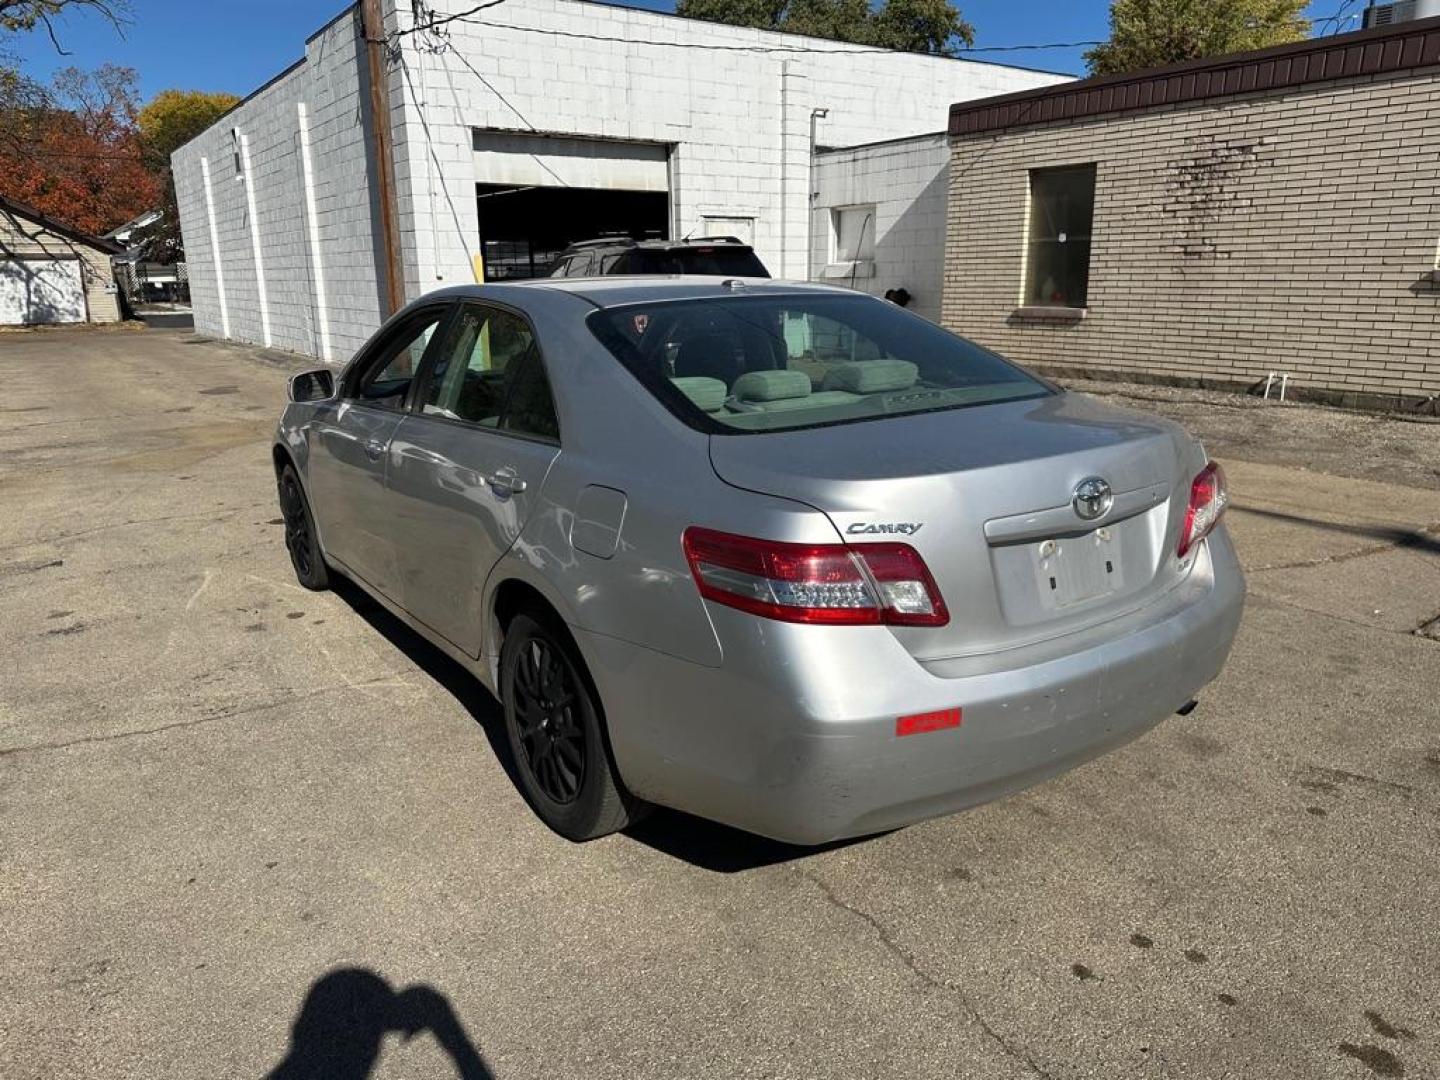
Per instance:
(861,254)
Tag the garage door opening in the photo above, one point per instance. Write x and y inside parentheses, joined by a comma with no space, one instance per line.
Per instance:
(523,230)
(539,193)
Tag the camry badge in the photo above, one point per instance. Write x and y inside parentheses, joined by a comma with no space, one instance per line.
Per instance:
(893,528)
(1093,498)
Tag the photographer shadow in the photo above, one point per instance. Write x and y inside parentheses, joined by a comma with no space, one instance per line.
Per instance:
(346,1016)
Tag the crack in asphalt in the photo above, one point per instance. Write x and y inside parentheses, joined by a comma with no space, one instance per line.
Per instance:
(66,420)
(1328,775)
(935,982)
(179,725)
(1407,543)
(1266,598)
(223,514)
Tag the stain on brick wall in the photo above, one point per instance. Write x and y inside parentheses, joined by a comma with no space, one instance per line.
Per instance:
(1209,185)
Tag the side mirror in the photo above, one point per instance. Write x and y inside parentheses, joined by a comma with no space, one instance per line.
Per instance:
(314,385)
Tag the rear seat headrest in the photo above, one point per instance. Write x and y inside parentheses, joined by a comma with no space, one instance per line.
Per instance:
(771,385)
(707,394)
(871,376)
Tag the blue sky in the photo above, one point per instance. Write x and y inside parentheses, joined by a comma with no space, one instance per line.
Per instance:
(237,46)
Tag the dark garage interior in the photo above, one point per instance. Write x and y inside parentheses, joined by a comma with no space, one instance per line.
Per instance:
(524,229)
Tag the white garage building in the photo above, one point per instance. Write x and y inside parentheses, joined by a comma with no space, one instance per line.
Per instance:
(514,131)
(51,273)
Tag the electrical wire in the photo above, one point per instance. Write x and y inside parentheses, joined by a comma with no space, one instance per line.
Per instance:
(842,50)
(438,24)
(1339,19)
(437,21)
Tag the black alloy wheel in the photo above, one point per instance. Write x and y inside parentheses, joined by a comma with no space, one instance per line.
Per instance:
(300,538)
(546,707)
(555,727)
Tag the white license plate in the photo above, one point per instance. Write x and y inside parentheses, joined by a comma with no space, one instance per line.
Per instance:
(1077,568)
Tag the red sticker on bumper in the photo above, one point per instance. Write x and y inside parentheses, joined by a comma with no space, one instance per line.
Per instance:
(930,721)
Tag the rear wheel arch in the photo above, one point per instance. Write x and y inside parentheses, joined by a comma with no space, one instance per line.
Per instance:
(514,597)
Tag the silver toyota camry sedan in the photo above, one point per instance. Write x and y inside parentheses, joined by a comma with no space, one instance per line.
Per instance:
(784,556)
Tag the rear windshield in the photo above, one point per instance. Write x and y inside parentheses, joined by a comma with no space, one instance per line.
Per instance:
(720,261)
(745,364)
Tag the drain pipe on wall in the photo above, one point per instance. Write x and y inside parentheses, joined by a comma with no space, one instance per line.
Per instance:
(816,115)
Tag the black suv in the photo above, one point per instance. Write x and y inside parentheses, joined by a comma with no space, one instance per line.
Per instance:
(723,256)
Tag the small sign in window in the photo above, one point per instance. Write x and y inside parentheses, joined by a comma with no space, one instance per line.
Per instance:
(1062,210)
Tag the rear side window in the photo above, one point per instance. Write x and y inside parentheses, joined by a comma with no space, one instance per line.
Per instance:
(749,364)
(716,261)
(489,372)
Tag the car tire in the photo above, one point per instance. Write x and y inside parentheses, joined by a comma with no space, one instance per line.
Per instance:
(300,538)
(557,733)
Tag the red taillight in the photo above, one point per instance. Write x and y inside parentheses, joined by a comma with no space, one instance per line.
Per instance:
(1208,499)
(836,584)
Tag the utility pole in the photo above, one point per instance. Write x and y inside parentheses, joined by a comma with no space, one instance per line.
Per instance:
(373,27)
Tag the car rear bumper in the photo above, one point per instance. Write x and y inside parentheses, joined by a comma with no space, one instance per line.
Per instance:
(794,735)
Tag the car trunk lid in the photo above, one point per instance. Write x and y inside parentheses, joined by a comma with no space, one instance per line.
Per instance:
(986,495)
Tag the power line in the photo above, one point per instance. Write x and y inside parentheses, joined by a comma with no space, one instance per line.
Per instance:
(438,23)
(1339,18)
(1021,48)
(434,22)
(843,50)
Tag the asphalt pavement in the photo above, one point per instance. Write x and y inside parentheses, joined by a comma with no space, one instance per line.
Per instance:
(245,828)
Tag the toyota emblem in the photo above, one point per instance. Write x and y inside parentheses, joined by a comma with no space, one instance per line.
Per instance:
(1093,498)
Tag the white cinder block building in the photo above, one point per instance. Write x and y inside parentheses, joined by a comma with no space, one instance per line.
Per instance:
(879,218)
(516,131)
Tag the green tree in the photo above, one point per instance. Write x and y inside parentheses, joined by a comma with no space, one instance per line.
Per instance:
(923,26)
(1153,33)
(167,122)
(173,117)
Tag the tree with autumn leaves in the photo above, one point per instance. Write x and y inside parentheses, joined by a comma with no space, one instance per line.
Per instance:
(81,149)
(72,149)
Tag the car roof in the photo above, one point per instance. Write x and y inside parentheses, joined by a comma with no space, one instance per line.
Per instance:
(626,243)
(619,289)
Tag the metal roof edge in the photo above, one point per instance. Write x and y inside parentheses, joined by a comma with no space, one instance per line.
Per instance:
(1382,50)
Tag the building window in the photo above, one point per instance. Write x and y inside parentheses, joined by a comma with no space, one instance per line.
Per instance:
(853,233)
(738,226)
(1062,208)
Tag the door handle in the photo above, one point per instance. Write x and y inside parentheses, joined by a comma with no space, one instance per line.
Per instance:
(374,448)
(507,481)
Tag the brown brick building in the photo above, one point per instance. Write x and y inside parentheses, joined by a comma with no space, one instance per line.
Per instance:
(1213,222)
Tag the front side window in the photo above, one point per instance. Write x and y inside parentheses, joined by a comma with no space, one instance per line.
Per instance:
(489,372)
(736,364)
(1062,209)
(387,375)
